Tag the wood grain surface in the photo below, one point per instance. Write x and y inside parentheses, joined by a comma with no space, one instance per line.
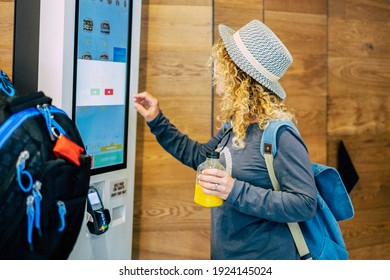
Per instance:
(7,35)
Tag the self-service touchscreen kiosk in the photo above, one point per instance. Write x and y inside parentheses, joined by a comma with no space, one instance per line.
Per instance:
(88,58)
(105,67)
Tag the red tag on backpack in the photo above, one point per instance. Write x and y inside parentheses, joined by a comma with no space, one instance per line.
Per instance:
(66,148)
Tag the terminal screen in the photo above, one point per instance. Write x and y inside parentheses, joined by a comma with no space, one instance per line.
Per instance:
(101,80)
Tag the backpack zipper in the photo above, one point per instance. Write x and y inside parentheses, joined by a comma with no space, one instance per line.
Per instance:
(16,120)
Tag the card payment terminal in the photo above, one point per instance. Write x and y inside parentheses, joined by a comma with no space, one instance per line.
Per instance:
(99,217)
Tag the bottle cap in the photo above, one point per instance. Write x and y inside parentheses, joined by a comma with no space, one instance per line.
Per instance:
(212,154)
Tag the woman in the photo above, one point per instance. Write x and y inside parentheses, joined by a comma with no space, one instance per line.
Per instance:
(251,223)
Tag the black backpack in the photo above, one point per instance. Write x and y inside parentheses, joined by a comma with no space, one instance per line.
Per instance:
(44,177)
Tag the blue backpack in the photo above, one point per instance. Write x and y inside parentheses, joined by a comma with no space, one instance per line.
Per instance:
(319,238)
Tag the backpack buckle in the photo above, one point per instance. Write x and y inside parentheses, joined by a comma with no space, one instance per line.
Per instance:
(267,148)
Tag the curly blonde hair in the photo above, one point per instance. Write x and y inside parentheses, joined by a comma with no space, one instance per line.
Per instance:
(243,100)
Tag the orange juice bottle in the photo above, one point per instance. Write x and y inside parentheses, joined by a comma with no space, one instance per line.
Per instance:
(206,200)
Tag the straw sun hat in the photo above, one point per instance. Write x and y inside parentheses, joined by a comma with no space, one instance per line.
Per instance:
(258,52)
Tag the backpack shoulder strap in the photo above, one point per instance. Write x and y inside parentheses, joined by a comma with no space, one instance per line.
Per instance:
(328,181)
(268,140)
(268,149)
(268,146)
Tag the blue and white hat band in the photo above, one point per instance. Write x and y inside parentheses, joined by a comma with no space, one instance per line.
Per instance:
(252,59)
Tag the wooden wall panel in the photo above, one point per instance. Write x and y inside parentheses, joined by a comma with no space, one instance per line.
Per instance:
(302,27)
(298,7)
(6,31)
(176,40)
(234,14)
(358,114)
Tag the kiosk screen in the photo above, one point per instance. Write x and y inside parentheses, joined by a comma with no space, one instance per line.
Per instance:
(101,82)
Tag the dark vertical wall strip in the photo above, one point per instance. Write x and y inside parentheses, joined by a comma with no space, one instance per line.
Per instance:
(26,45)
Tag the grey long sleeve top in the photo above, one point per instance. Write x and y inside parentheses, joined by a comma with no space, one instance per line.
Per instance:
(251,223)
